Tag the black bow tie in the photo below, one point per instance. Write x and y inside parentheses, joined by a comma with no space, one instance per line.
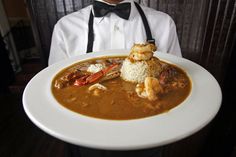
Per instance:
(101,9)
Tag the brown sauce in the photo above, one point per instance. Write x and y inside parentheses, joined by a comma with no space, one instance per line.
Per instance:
(119,101)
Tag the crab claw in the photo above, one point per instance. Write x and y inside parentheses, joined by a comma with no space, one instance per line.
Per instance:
(81,81)
(94,77)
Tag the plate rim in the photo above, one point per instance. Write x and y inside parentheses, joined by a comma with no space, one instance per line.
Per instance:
(107,143)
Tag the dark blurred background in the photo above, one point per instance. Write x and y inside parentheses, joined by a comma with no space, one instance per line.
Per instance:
(206,31)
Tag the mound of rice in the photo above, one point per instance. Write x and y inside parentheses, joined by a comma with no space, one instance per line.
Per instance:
(137,71)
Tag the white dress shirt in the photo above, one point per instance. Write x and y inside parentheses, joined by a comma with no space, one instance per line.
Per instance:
(70,35)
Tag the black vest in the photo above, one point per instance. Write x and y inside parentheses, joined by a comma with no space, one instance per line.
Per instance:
(144,19)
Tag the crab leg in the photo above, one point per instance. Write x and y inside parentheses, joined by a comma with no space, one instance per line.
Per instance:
(94,77)
(81,81)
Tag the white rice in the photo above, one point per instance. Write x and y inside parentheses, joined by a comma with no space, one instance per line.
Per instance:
(134,72)
(137,71)
(93,68)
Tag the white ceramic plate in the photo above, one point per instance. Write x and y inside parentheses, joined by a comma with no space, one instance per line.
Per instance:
(194,113)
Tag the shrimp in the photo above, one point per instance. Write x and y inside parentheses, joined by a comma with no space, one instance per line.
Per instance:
(152,87)
(140,90)
(149,89)
(97,86)
(142,52)
(97,89)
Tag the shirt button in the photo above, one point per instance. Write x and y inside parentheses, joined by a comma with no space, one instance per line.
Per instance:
(116,28)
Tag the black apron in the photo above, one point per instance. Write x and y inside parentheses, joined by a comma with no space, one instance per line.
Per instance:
(144,19)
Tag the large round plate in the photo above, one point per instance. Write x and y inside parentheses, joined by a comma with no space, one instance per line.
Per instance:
(194,113)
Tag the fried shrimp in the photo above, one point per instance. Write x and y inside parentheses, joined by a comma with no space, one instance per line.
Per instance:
(149,89)
(142,52)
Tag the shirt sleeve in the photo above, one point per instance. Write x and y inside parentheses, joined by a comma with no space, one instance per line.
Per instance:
(58,47)
(174,47)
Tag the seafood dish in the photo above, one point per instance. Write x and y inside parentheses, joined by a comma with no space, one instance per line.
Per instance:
(122,87)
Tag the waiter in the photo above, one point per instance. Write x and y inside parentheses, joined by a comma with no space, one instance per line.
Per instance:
(112,24)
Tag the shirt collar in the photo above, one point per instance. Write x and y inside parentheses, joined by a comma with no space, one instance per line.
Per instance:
(133,12)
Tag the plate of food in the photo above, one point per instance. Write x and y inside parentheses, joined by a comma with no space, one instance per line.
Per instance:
(122,99)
